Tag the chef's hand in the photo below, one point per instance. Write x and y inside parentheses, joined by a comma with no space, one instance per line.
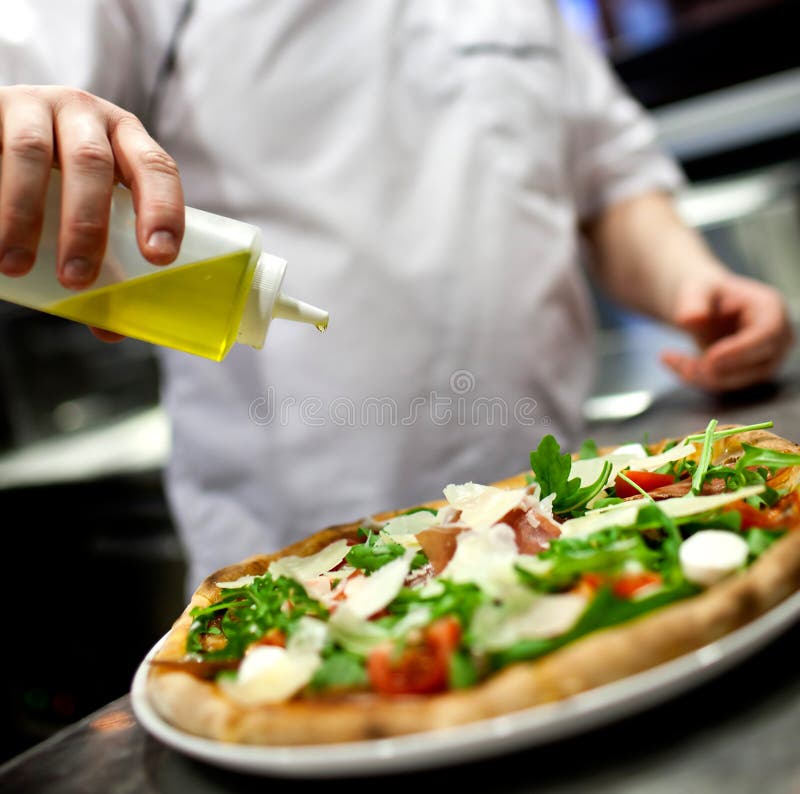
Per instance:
(94,143)
(741,328)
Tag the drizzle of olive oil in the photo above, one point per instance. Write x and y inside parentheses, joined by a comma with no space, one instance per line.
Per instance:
(195,308)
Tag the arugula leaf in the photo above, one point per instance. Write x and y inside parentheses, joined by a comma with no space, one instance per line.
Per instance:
(247,613)
(339,669)
(652,516)
(705,458)
(757,455)
(551,468)
(728,431)
(588,449)
(605,610)
(606,501)
(462,671)
(376,551)
(460,600)
(607,551)
(759,540)
(771,459)
(727,519)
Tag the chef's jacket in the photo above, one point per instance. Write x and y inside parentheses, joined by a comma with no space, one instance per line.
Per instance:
(424,167)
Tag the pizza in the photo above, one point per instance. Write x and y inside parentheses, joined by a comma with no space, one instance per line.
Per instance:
(584,569)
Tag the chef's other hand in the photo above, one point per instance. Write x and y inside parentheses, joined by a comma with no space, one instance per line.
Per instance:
(742,330)
(94,143)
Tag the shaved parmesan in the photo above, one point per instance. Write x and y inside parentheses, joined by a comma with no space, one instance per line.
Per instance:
(354,633)
(272,674)
(303,568)
(483,505)
(486,557)
(403,529)
(327,586)
(360,635)
(653,462)
(498,626)
(366,595)
(625,513)
(409,524)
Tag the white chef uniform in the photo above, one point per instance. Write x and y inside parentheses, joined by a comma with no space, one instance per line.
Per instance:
(423,167)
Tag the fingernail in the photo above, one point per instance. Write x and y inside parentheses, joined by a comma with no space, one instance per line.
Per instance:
(78,271)
(16,261)
(163,242)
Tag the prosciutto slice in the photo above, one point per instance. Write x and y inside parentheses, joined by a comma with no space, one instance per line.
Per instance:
(533,531)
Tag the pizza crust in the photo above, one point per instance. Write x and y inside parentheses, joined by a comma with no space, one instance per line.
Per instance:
(198,706)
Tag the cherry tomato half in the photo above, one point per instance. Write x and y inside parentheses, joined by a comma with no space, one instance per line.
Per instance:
(418,668)
(646,480)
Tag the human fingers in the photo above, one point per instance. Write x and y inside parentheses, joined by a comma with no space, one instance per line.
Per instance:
(733,380)
(762,331)
(27,147)
(156,186)
(87,166)
(682,364)
(694,371)
(699,313)
(734,353)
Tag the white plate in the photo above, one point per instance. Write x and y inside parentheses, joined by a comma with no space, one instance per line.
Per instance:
(474,741)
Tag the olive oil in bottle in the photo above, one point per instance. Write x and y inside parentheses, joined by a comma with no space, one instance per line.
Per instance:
(221,289)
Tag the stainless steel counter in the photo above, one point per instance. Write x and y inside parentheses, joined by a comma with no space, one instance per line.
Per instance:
(736,733)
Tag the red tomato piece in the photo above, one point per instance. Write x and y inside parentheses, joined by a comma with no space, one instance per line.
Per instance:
(784,514)
(420,668)
(592,581)
(444,634)
(625,585)
(629,585)
(646,480)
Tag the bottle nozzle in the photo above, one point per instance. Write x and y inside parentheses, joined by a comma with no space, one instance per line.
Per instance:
(292,309)
(266,301)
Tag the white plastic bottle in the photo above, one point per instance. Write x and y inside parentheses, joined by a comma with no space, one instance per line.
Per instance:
(221,288)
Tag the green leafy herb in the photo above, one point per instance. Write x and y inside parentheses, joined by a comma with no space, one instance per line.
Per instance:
(607,551)
(588,449)
(771,459)
(728,431)
(460,600)
(552,469)
(606,501)
(652,516)
(340,669)
(728,519)
(376,551)
(605,610)
(462,670)
(759,540)
(247,613)
(705,458)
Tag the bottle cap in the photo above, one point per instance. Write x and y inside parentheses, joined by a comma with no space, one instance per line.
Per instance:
(265,301)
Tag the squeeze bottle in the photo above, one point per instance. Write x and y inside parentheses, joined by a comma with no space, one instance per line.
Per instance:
(220,289)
